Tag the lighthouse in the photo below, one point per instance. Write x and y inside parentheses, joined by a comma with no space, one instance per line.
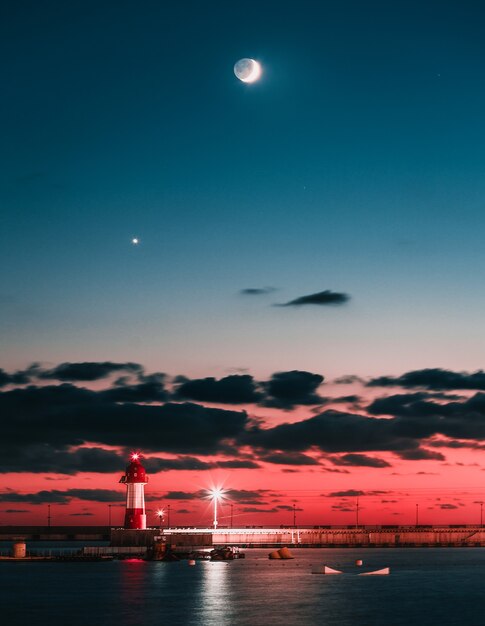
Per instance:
(135,480)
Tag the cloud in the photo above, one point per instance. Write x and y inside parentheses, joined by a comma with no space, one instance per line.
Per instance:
(433,379)
(332,431)
(154,465)
(322,298)
(16,378)
(234,389)
(454,444)
(418,417)
(420,454)
(150,389)
(349,379)
(349,493)
(9,511)
(283,390)
(287,389)
(63,497)
(257,291)
(447,507)
(183,495)
(359,460)
(237,464)
(288,458)
(66,415)
(42,458)
(252,509)
(88,371)
(247,496)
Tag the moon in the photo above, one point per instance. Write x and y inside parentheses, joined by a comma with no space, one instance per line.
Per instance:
(247,70)
(135,241)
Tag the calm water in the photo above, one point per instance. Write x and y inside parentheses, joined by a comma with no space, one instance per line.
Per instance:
(426,587)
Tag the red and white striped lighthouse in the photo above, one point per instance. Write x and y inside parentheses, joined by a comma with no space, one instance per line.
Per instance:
(135,480)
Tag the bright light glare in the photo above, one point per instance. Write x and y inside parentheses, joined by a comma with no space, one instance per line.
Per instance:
(216,493)
(135,456)
(161,512)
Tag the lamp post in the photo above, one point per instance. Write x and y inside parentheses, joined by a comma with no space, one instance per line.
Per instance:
(109,514)
(160,513)
(357,513)
(481,514)
(216,495)
(232,514)
(417,514)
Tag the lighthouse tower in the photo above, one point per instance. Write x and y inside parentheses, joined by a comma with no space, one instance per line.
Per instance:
(135,480)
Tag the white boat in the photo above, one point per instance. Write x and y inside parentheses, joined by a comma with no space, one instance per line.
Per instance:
(378,572)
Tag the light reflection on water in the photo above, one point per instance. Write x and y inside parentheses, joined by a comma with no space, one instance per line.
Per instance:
(426,587)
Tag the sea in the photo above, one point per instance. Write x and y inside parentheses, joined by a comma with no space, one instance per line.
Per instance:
(426,586)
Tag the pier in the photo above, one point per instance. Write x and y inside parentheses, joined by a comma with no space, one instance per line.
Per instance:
(257,536)
(333,536)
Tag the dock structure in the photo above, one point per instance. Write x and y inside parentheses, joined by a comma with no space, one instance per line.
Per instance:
(332,537)
(257,536)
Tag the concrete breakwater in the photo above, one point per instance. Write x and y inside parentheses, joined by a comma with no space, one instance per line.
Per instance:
(438,536)
(303,536)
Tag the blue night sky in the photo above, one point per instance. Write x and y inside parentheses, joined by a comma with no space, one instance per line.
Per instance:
(354,165)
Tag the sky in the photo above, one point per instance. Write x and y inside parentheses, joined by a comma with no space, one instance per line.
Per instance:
(301,320)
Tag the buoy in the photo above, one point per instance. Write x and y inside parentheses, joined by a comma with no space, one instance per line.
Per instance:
(285,553)
(191,561)
(359,562)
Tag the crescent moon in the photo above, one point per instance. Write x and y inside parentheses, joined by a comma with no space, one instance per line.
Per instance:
(255,73)
(241,70)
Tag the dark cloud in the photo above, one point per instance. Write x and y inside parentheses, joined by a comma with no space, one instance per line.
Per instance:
(88,371)
(15,511)
(63,497)
(154,465)
(349,493)
(245,496)
(257,291)
(182,495)
(252,509)
(359,460)
(16,378)
(288,389)
(420,454)
(420,418)
(322,298)
(454,444)
(149,389)
(447,507)
(283,390)
(332,431)
(42,458)
(234,389)
(81,514)
(287,507)
(434,379)
(66,415)
(288,458)
(349,379)
(237,464)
